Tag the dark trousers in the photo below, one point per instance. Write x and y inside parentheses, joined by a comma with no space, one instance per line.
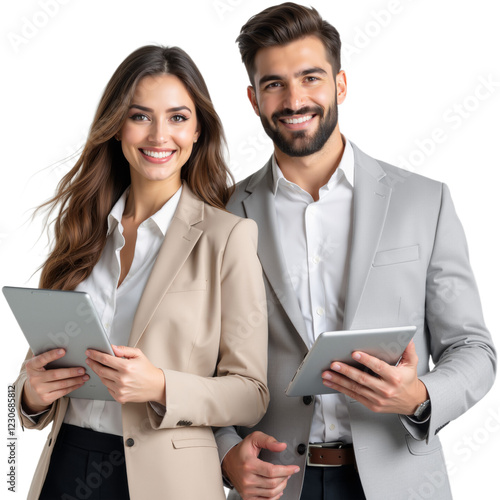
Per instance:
(332,483)
(86,465)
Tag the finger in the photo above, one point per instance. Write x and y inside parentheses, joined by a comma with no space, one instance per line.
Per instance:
(63,392)
(409,356)
(349,386)
(39,362)
(61,373)
(104,359)
(344,374)
(123,351)
(102,371)
(258,487)
(47,393)
(62,384)
(267,470)
(267,442)
(353,391)
(376,365)
(271,492)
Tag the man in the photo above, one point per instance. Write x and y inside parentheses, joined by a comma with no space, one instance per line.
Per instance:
(348,242)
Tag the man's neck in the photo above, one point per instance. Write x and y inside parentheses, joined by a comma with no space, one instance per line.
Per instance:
(313,171)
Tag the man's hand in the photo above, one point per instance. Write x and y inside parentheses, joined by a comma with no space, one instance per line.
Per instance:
(253,478)
(129,375)
(394,389)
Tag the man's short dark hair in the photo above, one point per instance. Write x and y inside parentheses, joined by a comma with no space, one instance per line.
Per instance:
(282,24)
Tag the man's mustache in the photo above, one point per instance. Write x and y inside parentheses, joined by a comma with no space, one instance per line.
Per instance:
(286,112)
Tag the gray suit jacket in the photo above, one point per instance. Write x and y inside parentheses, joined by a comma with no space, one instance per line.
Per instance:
(408,266)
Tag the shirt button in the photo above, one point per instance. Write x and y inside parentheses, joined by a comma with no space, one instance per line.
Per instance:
(320,311)
(129,442)
(332,427)
(316,259)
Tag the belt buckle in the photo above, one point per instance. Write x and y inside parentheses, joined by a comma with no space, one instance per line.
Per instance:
(334,444)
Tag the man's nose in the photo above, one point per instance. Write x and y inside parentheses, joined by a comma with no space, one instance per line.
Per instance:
(294,97)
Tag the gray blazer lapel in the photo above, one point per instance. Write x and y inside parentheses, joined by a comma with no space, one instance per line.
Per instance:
(179,241)
(259,206)
(371,201)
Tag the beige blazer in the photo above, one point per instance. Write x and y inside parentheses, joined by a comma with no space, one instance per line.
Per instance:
(202,319)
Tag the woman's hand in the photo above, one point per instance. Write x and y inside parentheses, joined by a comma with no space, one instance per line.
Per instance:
(44,386)
(129,375)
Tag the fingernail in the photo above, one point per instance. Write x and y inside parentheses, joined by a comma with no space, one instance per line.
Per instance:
(81,371)
(87,361)
(356,355)
(85,377)
(60,351)
(336,367)
(327,376)
(297,470)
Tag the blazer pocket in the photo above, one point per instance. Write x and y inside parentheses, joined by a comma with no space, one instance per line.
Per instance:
(181,443)
(396,256)
(193,437)
(421,447)
(187,286)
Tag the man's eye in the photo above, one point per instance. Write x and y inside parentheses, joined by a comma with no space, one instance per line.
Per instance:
(312,78)
(273,85)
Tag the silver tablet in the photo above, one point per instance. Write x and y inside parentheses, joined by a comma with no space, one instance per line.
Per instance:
(386,344)
(54,318)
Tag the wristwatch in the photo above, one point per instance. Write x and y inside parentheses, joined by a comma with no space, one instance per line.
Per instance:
(421,412)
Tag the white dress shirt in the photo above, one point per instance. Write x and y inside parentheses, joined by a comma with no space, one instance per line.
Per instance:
(315,237)
(115,305)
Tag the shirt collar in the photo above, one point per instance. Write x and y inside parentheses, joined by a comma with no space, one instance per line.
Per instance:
(162,218)
(345,167)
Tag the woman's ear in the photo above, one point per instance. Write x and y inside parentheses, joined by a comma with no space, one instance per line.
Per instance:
(197,134)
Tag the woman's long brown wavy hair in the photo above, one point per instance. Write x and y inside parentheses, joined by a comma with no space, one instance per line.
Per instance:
(86,194)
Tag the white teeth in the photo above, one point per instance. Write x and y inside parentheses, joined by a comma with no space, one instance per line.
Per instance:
(157,154)
(302,119)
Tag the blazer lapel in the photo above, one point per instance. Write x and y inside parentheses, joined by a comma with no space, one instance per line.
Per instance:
(180,240)
(259,206)
(371,201)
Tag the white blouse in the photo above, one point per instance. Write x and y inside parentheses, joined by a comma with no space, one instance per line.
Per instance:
(115,305)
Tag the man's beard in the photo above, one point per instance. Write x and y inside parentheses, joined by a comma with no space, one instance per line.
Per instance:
(299,144)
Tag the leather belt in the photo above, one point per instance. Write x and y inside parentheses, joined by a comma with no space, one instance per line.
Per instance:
(330,454)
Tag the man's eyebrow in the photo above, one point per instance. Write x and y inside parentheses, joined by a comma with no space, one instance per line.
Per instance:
(268,78)
(305,72)
(170,110)
(309,71)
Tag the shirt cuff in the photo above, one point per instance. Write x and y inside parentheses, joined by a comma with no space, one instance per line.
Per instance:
(34,417)
(411,418)
(159,409)
(225,480)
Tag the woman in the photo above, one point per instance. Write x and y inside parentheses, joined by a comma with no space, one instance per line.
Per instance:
(176,279)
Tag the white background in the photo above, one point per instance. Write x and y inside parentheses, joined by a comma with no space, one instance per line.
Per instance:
(413,66)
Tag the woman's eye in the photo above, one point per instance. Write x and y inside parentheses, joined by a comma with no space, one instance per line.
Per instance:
(178,118)
(139,117)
